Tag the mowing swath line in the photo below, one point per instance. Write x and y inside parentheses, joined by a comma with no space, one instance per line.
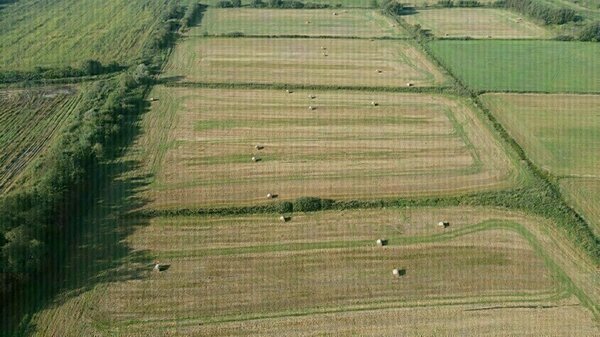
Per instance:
(382,305)
(291,246)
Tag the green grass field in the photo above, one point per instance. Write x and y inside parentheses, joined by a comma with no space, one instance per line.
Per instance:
(61,33)
(254,272)
(476,23)
(561,133)
(29,121)
(543,66)
(309,22)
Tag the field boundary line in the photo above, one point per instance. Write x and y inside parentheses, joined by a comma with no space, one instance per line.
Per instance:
(280,86)
(297,36)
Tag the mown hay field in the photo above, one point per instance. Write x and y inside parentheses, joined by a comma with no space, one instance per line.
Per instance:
(29,120)
(539,66)
(476,23)
(251,275)
(344,62)
(307,22)
(37,33)
(561,134)
(199,143)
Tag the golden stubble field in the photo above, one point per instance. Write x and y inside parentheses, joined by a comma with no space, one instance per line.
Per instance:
(477,23)
(323,272)
(329,62)
(301,22)
(199,143)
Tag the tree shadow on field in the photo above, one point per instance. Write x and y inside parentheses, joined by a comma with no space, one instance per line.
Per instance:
(97,252)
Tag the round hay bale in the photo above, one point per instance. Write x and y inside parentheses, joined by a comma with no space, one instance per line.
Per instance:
(269,196)
(382,242)
(289,91)
(374,103)
(409,84)
(310,107)
(334,13)
(379,71)
(443,224)
(396,272)
(284,218)
(312,96)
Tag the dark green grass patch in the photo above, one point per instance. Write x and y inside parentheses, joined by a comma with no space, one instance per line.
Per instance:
(522,66)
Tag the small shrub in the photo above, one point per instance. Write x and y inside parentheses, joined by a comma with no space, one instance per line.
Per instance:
(234,34)
(258,4)
(285,207)
(92,67)
(225,4)
(591,32)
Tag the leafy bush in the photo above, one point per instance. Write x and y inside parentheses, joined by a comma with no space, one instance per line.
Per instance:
(468,3)
(312,204)
(396,8)
(591,32)
(285,207)
(225,4)
(258,4)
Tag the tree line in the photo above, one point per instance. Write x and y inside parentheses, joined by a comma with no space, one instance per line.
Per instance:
(549,14)
(36,220)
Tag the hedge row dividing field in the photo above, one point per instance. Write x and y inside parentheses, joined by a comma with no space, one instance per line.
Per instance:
(254,274)
(29,120)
